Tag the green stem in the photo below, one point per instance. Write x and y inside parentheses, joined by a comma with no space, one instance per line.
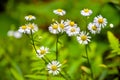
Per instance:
(57,47)
(89,62)
(63,76)
(33,44)
(67,75)
(47,59)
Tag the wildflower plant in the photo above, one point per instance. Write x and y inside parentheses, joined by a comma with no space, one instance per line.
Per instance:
(64,27)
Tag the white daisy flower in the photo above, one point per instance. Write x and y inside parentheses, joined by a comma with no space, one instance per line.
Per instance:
(59,12)
(73,31)
(86,12)
(30,17)
(32,27)
(61,26)
(111,25)
(23,29)
(54,28)
(93,28)
(100,21)
(69,23)
(17,34)
(83,38)
(42,51)
(54,67)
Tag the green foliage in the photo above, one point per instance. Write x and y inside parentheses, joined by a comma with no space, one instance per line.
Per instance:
(114,44)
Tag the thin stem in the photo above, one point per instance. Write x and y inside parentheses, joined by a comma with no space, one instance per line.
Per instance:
(63,76)
(67,75)
(47,59)
(33,44)
(57,47)
(89,62)
(86,23)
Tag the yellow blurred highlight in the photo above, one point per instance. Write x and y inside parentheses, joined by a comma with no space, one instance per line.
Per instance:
(103,65)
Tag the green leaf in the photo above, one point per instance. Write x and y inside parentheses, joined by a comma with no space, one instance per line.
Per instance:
(16,75)
(114,42)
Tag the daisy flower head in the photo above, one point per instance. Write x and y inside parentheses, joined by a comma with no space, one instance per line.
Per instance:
(86,12)
(59,12)
(32,27)
(54,67)
(23,29)
(73,31)
(54,28)
(42,51)
(69,23)
(83,38)
(61,26)
(100,21)
(30,17)
(93,28)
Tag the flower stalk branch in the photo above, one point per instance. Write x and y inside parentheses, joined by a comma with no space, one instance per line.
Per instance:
(89,62)
(57,53)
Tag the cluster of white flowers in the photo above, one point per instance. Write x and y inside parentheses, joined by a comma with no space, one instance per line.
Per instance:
(15,34)
(30,27)
(64,26)
(71,28)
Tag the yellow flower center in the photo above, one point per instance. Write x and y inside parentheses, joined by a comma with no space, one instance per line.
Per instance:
(86,10)
(43,51)
(100,20)
(84,37)
(30,16)
(59,10)
(24,27)
(55,26)
(62,26)
(72,23)
(72,30)
(94,27)
(54,67)
(31,26)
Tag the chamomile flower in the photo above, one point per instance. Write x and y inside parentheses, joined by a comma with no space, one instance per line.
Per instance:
(61,26)
(93,28)
(42,51)
(32,27)
(83,38)
(23,29)
(69,23)
(73,31)
(54,28)
(59,12)
(100,21)
(30,17)
(54,67)
(86,12)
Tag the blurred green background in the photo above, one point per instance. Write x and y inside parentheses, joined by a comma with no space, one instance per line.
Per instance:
(19,62)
